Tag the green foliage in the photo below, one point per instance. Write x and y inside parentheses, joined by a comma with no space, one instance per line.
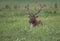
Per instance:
(15,7)
(7,6)
(55,5)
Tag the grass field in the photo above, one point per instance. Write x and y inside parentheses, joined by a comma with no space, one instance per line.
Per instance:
(14,25)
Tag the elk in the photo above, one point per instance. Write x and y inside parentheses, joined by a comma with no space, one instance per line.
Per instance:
(33,21)
(32,17)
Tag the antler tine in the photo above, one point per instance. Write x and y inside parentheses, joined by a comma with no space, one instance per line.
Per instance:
(37,12)
(30,12)
(27,9)
(38,9)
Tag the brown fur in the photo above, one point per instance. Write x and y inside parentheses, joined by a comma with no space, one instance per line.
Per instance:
(33,21)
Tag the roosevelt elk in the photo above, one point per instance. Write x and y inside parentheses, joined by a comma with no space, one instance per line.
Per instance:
(32,17)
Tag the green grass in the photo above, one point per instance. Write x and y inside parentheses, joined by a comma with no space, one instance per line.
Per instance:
(16,28)
(14,25)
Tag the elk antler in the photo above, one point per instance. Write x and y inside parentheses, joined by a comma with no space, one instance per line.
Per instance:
(38,10)
(27,9)
(33,12)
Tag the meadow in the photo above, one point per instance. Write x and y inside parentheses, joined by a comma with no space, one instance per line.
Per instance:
(14,25)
